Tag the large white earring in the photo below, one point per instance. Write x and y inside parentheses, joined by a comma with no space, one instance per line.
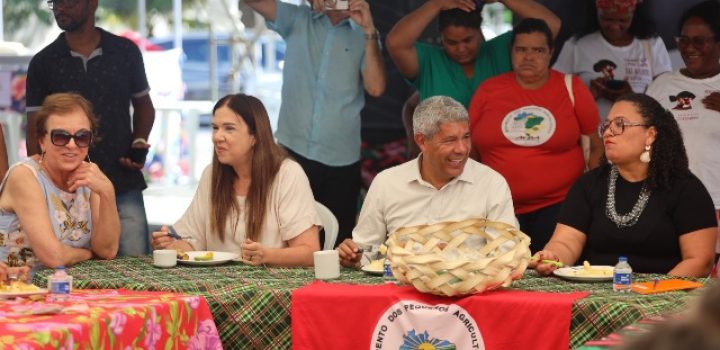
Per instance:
(645,156)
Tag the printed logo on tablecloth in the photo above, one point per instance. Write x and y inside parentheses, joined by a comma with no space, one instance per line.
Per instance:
(411,325)
(529,126)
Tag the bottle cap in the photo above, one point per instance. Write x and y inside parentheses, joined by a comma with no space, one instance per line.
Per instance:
(61,267)
(622,258)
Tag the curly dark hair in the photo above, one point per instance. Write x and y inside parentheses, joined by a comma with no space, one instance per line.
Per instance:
(642,27)
(668,159)
(708,12)
(600,65)
(460,18)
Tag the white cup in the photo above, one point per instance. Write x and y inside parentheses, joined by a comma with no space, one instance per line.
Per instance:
(165,257)
(327,264)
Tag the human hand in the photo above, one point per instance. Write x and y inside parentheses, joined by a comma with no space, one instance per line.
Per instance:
(350,254)
(8,274)
(543,268)
(162,239)
(89,174)
(135,158)
(465,5)
(253,253)
(359,11)
(712,101)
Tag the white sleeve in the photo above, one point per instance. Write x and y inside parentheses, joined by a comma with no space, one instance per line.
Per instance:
(194,221)
(295,205)
(501,208)
(566,59)
(661,58)
(371,228)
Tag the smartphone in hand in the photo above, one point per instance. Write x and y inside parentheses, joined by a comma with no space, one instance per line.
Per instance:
(340,5)
(137,155)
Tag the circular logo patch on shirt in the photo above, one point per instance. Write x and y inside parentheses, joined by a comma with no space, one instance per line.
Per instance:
(419,326)
(529,126)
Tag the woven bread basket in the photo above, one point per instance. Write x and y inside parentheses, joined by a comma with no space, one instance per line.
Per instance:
(458,258)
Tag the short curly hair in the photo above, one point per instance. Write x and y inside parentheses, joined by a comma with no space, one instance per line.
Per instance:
(668,159)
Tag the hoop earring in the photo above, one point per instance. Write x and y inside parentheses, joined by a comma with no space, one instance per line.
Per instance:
(645,156)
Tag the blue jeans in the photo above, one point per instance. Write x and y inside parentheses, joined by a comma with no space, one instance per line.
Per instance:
(134,235)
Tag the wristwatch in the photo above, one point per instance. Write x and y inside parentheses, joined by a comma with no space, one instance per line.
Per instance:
(372,36)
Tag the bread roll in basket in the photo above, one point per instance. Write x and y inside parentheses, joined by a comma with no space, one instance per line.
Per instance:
(458,258)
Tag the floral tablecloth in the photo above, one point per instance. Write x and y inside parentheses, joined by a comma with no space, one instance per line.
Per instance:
(108,319)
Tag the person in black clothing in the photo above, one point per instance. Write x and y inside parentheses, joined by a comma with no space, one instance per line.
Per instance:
(642,202)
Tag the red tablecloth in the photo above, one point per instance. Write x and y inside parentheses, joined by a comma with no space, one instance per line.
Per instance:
(339,316)
(109,319)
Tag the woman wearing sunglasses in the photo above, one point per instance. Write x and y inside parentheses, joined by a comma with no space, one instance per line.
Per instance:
(642,202)
(692,94)
(253,200)
(58,208)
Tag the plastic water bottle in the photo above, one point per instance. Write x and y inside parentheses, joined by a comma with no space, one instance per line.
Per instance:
(387,271)
(60,284)
(622,276)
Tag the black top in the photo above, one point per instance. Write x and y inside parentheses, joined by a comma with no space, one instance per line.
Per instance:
(110,80)
(652,244)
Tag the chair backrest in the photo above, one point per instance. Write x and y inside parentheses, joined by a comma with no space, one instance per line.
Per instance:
(330,224)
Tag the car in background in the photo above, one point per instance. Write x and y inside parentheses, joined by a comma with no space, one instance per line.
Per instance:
(195,61)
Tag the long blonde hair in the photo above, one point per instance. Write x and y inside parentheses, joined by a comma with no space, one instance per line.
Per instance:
(267,157)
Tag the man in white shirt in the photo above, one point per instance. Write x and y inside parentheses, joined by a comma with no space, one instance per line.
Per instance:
(441,184)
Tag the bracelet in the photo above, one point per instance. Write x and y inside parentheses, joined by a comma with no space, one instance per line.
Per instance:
(139,140)
(372,36)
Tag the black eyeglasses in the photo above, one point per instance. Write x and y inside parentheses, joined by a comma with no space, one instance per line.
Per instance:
(54,3)
(60,137)
(698,42)
(617,126)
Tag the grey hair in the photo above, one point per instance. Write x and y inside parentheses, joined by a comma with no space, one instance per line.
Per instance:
(435,110)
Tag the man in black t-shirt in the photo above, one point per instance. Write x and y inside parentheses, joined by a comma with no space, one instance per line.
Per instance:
(108,71)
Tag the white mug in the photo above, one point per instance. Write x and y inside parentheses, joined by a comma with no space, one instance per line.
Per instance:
(165,257)
(327,264)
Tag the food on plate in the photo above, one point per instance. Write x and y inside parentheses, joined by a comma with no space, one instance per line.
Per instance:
(182,255)
(18,287)
(205,257)
(376,265)
(589,271)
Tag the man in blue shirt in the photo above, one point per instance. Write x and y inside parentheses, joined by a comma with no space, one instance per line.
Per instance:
(332,57)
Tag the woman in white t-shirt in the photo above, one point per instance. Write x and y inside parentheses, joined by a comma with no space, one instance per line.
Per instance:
(692,94)
(618,51)
(253,200)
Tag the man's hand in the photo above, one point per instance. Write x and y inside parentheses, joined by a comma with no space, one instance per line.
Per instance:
(350,253)
(137,164)
(359,11)
(14,273)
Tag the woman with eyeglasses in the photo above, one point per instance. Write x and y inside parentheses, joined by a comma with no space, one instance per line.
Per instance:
(527,125)
(642,202)
(253,199)
(617,52)
(57,208)
(697,86)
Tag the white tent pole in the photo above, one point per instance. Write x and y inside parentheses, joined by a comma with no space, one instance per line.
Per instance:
(142,18)
(2,22)
(177,11)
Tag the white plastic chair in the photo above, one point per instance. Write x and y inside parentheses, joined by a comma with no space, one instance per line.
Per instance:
(330,224)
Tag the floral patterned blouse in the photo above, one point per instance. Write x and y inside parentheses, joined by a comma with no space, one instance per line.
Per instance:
(70,216)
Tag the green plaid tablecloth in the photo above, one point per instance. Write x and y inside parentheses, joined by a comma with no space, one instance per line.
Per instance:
(251,305)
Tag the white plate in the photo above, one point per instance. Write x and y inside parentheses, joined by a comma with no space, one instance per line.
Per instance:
(372,271)
(570,273)
(22,294)
(218,258)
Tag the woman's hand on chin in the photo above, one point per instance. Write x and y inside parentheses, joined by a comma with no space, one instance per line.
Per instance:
(88,174)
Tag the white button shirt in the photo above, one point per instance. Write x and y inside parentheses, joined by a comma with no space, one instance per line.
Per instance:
(399,197)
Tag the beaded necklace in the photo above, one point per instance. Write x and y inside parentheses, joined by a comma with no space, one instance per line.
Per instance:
(633,216)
